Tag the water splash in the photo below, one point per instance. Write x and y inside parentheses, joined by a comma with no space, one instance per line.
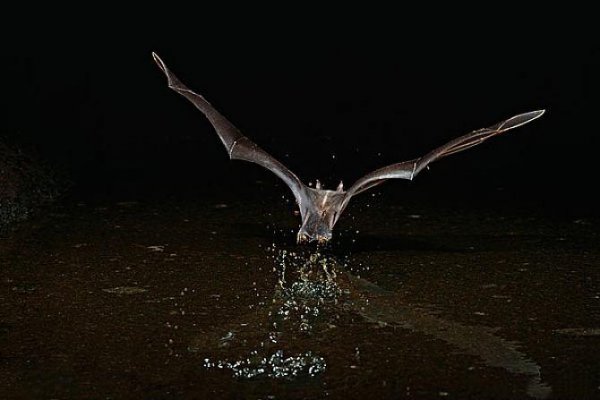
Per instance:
(276,365)
(305,290)
(312,289)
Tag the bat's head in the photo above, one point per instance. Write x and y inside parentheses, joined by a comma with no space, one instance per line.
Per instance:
(320,211)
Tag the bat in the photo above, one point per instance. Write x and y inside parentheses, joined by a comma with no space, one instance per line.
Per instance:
(320,209)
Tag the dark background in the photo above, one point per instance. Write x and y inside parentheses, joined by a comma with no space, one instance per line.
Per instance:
(102,112)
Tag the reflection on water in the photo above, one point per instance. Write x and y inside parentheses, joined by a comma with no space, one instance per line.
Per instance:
(474,340)
(313,289)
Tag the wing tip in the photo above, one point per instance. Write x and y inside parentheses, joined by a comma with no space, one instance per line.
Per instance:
(172,80)
(536,114)
(520,120)
(159,62)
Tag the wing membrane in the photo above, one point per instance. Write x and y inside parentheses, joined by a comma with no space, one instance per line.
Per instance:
(410,169)
(238,146)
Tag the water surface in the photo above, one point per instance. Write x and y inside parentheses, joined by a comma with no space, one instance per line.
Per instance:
(119,298)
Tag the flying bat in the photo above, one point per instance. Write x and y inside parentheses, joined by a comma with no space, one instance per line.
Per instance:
(320,209)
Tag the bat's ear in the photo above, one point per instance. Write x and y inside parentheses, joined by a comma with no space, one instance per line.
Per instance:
(340,187)
(318,184)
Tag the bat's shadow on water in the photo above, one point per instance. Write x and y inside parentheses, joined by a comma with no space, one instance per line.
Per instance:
(314,289)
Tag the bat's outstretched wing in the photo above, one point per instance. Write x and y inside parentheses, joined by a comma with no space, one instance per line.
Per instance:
(238,146)
(410,169)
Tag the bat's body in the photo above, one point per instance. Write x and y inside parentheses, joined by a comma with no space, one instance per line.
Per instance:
(320,209)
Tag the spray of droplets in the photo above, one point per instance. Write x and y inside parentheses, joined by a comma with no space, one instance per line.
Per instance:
(306,283)
(275,365)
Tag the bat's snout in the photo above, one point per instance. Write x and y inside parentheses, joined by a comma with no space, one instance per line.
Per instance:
(318,222)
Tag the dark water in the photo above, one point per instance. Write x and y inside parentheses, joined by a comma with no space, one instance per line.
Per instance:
(210,299)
